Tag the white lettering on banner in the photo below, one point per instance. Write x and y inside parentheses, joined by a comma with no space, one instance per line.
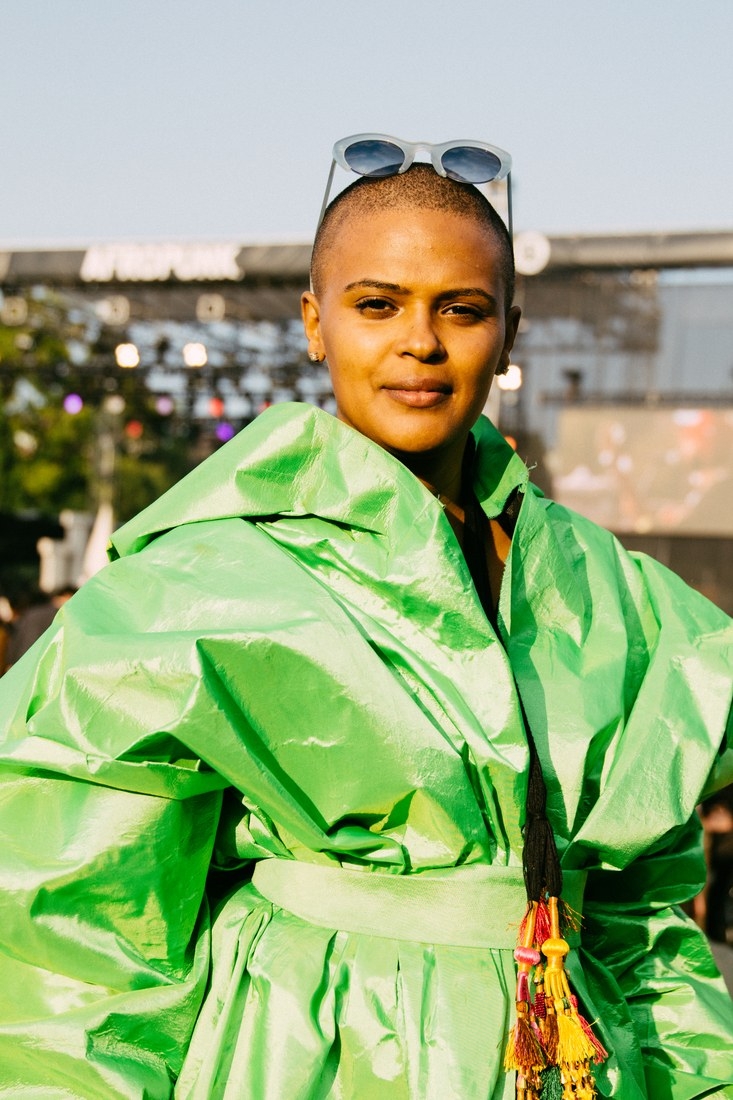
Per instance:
(157,262)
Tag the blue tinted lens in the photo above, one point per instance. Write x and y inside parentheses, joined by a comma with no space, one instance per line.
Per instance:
(470,165)
(374,158)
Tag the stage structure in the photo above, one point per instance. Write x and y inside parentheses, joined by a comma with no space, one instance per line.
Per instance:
(621,393)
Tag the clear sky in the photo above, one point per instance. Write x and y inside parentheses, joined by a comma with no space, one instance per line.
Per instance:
(211,119)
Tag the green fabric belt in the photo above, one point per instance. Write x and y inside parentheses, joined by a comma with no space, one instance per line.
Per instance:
(475,906)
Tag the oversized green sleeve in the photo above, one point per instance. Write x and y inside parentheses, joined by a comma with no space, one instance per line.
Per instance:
(658,966)
(628,741)
(107,837)
(722,772)
(658,959)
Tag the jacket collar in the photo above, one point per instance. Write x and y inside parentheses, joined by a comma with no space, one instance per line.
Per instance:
(296,459)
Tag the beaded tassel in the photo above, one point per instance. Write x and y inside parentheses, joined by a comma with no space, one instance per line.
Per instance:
(524,1052)
(551,1046)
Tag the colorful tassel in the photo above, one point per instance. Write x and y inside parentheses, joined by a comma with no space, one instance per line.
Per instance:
(551,1046)
(550,1036)
(551,1085)
(543,922)
(600,1051)
(524,1053)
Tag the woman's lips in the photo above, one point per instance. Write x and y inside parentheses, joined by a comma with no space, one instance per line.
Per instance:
(419,395)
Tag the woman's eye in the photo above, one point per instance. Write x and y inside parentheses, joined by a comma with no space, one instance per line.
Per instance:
(461,309)
(374,305)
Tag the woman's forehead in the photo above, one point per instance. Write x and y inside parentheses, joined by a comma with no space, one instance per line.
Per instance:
(411,242)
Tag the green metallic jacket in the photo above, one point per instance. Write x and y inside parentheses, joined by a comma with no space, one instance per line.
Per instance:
(286,667)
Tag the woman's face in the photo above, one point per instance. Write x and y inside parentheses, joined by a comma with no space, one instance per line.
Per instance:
(412,321)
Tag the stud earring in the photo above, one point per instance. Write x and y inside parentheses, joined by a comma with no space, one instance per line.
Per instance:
(315,357)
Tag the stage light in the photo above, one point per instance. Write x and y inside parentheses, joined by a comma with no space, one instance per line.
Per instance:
(224,431)
(512,380)
(194,355)
(114,404)
(127,355)
(26,443)
(211,307)
(13,311)
(114,310)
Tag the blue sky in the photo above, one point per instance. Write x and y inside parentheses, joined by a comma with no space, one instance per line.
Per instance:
(211,119)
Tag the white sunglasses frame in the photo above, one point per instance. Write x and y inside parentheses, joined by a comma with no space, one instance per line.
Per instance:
(410,149)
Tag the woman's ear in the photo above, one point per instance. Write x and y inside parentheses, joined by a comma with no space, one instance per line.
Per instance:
(513,317)
(311,314)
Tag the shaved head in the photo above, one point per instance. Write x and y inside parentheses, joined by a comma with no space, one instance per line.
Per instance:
(420,187)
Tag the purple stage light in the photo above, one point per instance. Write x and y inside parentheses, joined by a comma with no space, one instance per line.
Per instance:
(224,431)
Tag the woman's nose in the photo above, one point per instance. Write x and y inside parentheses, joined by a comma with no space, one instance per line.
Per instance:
(421,338)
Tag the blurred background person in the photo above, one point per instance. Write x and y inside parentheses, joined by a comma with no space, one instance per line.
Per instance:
(31,622)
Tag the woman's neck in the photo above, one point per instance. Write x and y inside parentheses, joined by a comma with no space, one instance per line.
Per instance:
(441,473)
(443,476)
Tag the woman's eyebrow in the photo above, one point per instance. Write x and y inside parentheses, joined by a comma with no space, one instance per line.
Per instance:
(468,292)
(376,284)
(395,288)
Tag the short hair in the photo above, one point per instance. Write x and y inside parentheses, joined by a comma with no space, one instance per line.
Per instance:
(420,187)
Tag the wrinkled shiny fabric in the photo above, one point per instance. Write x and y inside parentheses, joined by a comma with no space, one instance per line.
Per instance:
(287,659)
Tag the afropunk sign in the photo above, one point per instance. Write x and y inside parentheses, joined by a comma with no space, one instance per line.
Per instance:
(158,262)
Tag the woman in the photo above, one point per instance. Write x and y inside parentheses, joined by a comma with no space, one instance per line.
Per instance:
(267,777)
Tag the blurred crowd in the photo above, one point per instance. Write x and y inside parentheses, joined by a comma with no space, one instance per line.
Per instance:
(713,909)
(25,614)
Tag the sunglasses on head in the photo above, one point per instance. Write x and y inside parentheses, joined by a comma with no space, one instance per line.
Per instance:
(379,155)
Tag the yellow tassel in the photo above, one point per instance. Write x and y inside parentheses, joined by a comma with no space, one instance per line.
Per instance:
(551,1046)
(550,1036)
(523,1052)
(573,1045)
(567,1044)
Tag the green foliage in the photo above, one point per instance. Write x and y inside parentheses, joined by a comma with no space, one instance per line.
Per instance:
(138,483)
(118,448)
(51,459)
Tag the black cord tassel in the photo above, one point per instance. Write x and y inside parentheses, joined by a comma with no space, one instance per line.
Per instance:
(551,1047)
(540,861)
